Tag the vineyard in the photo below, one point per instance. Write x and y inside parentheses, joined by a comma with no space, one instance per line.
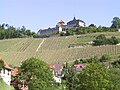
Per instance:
(54,49)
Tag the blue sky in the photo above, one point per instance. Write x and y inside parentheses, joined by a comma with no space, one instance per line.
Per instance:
(36,14)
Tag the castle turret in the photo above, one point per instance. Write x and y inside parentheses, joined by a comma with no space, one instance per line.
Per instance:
(60,24)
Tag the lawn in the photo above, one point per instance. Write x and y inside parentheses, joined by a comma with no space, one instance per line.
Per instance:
(4,86)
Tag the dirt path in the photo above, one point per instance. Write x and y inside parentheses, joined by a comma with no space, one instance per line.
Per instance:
(40,44)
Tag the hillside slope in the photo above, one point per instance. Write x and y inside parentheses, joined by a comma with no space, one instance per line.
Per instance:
(53,49)
(4,86)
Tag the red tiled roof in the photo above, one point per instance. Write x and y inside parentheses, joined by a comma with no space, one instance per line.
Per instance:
(15,72)
(8,67)
(79,67)
(61,21)
(52,66)
(56,68)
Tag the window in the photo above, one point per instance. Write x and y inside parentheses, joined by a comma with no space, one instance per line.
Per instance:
(8,72)
(80,66)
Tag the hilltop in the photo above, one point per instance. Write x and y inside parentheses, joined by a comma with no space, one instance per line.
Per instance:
(55,49)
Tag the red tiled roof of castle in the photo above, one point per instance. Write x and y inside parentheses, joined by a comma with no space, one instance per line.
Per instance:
(61,21)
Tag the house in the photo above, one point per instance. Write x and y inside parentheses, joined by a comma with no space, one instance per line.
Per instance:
(57,71)
(5,74)
(47,32)
(118,30)
(106,64)
(20,84)
(79,67)
(76,23)
(23,85)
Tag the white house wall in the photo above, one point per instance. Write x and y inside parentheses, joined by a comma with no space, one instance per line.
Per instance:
(81,24)
(6,76)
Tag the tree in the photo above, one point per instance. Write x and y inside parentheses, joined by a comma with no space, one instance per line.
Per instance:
(105,58)
(102,36)
(100,40)
(92,25)
(113,41)
(23,29)
(76,62)
(93,60)
(28,32)
(93,77)
(7,31)
(70,78)
(36,73)
(115,22)
(115,72)
(62,33)
(1,63)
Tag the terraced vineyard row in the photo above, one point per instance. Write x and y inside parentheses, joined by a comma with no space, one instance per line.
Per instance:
(77,53)
(33,46)
(17,45)
(57,43)
(54,56)
(25,45)
(6,44)
(52,50)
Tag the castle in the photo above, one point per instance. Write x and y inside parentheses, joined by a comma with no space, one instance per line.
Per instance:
(61,27)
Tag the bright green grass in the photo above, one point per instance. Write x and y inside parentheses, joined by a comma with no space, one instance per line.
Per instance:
(4,86)
(84,40)
(117,34)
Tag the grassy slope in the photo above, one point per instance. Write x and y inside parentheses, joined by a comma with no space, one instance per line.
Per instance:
(54,49)
(3,86)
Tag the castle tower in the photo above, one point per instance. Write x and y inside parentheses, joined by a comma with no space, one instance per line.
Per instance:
(60,24)
(74,19)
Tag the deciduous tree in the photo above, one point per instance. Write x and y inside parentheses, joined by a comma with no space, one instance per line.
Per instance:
(115,22)
(37,74)
(93,77)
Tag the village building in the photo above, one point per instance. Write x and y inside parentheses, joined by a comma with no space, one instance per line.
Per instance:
(47,32)
(76,23)
(57,71)
(106,64)
(119,30)
(23,85)
(79,67)
(6,73)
